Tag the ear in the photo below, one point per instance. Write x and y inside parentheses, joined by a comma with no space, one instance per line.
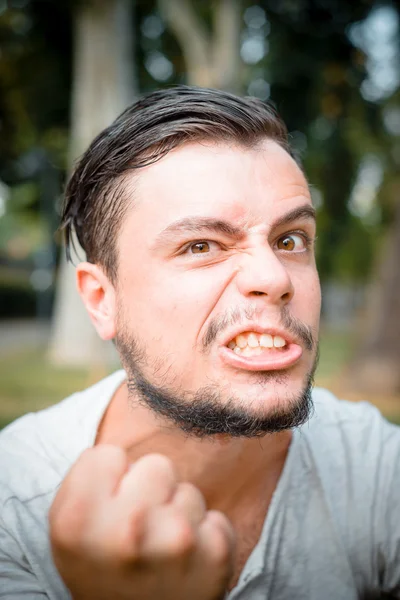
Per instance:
(98,295)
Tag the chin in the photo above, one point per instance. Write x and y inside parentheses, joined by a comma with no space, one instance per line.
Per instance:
(261,382)
(269,389)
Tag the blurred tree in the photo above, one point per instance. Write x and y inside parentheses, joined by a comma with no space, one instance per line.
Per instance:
(34,90)
(376,366)
(212,55)
(34,79)
(103,85)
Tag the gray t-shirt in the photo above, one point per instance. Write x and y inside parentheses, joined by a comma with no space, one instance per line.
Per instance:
(332,530)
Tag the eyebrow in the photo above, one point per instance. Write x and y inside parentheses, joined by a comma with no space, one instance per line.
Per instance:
(201,224)
(306,211)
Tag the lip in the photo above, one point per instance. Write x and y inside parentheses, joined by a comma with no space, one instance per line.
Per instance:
(272,359)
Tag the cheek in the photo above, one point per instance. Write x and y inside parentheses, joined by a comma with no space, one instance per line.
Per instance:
(171,307)
(316,290)
(308,294)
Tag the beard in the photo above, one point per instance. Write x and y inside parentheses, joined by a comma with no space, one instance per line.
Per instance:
(211,410)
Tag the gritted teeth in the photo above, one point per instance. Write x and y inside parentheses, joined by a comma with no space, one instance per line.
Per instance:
(252,343)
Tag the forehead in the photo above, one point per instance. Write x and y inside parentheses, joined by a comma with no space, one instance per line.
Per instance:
(250,186)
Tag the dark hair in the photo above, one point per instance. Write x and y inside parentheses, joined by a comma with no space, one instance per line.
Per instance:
(95,202)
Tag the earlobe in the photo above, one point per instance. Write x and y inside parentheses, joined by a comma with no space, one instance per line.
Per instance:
(98,295)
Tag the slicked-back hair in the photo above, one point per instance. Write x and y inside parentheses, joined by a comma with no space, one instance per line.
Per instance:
(96,199)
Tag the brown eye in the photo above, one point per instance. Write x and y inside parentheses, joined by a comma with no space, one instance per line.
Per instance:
(200,248)
(291,243)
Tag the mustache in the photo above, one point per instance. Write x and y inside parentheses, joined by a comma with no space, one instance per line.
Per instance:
(299,330)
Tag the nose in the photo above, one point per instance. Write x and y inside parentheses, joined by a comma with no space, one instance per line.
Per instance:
(262,273)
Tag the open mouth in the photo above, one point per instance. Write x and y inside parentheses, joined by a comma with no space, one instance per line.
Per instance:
(255,351)
(254,344)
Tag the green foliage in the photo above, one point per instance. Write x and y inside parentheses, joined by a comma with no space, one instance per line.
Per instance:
(23,196)
(35,75)
(353,259)
(22,229)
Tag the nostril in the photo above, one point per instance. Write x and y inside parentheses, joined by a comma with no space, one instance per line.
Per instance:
(258,293)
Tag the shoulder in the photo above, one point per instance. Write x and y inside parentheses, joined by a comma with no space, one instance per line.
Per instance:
(360,417)
(37,449)
(351,445)
(348,464)
(357,427)
(333,413)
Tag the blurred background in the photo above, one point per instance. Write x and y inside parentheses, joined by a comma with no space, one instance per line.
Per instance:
(332,69)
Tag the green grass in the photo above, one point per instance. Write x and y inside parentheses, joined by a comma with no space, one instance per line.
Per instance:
(30,383)
(336,349)
(4,422)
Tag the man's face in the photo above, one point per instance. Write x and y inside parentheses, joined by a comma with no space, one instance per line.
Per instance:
(216,264)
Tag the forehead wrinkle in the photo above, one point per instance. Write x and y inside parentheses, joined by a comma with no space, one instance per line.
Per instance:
(302,212)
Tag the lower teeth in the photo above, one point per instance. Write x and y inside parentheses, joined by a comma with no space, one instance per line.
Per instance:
(247,351)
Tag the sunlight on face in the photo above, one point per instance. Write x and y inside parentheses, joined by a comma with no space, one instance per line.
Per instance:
(216,253)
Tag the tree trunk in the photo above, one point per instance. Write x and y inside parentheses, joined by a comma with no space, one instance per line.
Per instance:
(226,47)
(103,85)
(212,58)
(376,368)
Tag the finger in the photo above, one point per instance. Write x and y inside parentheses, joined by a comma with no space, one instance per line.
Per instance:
(102,466)
(216,540)
(190,503)
(220,520)
(93,477)
(150,481)
(168,535)
(122,523)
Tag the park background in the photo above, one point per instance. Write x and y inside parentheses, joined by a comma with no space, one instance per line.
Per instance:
(332,69)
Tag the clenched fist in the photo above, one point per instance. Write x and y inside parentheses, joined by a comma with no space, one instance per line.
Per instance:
(121,532)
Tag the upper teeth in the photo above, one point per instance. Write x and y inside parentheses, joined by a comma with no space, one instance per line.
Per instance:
(256,340)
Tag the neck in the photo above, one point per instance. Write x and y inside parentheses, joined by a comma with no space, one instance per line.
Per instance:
(228,471)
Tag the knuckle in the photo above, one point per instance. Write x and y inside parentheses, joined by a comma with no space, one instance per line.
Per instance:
(221,521)
(107,455)
(127,538)
(191,491)
(221,541)
(158,462)
(94,462)
(184,540)
(222,551)
(191,501)
(157,469)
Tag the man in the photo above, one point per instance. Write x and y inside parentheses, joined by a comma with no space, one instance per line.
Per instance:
(207,467)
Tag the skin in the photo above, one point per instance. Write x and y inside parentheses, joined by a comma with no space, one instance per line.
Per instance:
(168,293)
